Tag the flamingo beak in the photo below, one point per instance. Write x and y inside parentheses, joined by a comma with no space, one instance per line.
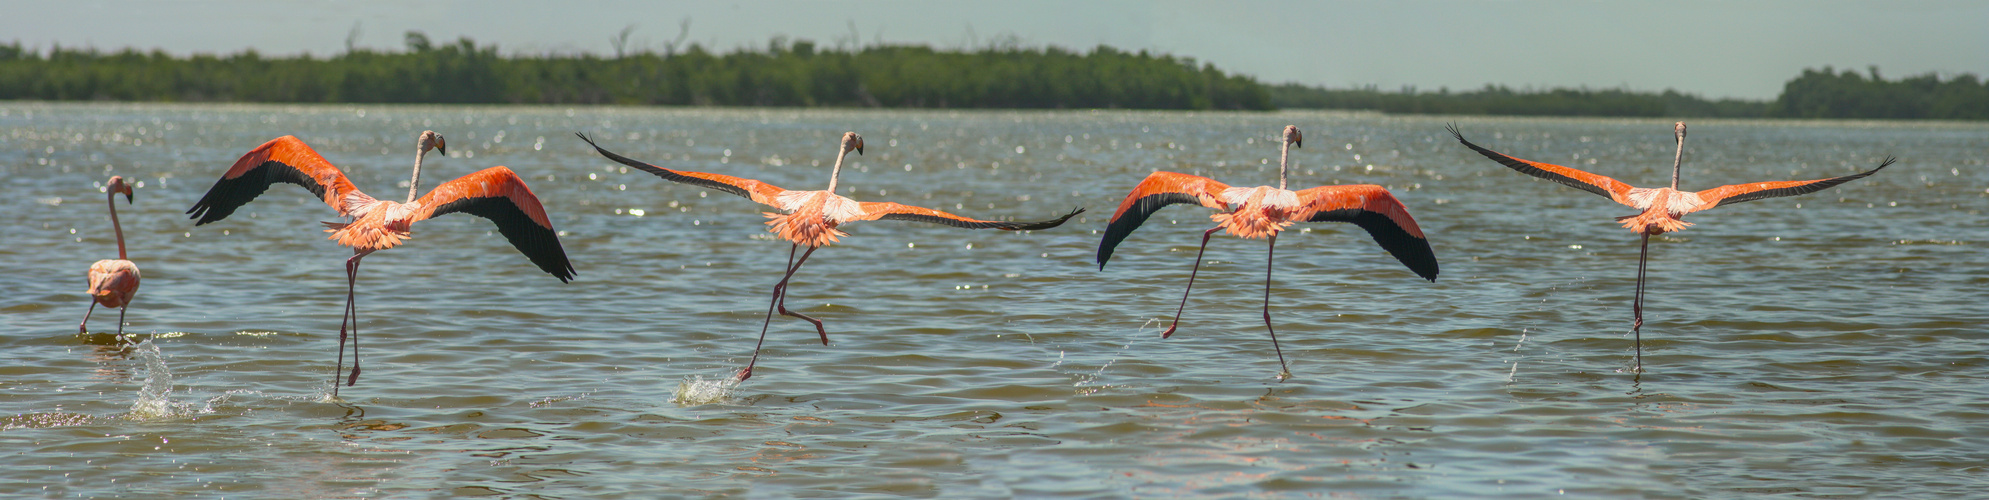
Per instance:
(441,145)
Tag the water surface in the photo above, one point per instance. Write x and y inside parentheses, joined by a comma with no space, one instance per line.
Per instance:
(1824,345)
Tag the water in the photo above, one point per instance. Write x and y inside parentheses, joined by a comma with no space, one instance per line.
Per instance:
(1824,345)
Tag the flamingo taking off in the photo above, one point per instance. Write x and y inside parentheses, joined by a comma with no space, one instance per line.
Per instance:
(1263,211)
(810,218)
(494,193)
(113,282)
(1663,209)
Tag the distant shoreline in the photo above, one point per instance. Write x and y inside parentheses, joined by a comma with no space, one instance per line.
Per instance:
(798,74)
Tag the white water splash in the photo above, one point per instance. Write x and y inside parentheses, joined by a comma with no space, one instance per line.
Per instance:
(696,390)
(155,396)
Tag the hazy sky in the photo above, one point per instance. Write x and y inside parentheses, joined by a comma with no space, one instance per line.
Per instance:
(1744,49)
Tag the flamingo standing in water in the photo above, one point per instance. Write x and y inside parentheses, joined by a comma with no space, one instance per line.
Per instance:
(810,218)
(113,282)
(1663,209)
(1263,211)
(494,193)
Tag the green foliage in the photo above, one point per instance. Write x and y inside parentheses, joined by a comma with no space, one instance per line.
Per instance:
(1814,94)
(1501,100)
(784,74)
(1828,94)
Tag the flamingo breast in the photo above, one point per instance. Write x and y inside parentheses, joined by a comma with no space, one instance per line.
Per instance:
(113,282)
(812,217)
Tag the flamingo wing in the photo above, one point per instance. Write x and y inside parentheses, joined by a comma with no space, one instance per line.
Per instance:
(1372,208)
(896,211)
(1159,190)
(750,189)
(1598,184)
(283,159)
(1737,193)
(497,194)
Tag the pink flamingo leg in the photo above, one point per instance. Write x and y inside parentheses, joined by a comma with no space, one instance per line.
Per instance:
(348,321)
(1191,282)
(777,302)
(1637,305)
(85,326)
(1284,372)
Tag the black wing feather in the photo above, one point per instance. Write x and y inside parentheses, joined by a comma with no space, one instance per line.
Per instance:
(665,173)
(1004,225)
(1119,229)
(539,243)
(1411,251)
(1803,189)
(1522,167)
(230,194)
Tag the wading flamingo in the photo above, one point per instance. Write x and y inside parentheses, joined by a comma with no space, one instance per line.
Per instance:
(1263,211)
(113,282)
(810,218)
(1663,209)
(493,193)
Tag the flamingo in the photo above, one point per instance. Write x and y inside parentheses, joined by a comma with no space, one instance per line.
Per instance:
(494,193)
(1263,211)
(1662,209)
(810,218)
(113,282)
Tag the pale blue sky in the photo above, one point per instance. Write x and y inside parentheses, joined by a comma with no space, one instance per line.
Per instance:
(1742,49)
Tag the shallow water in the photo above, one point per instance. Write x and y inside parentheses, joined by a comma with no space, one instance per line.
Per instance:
(1825,345)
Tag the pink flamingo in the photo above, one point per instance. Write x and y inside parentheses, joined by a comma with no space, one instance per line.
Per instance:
(1662,210)
(811,217)
(1263,211)
(494,193)
(113,282)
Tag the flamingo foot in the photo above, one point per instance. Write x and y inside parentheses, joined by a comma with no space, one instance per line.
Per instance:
(354,378)
(1170,331)
(745,373)
(1284,375)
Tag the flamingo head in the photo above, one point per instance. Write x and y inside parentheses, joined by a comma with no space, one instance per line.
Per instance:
(852,142)
(117,185)
(1292,136)
(1680,129)
(432,140)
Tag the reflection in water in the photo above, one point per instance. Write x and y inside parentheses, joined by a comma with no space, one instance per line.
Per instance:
(110,352)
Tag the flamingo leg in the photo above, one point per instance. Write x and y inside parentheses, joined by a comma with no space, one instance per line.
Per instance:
(349,318)
(85,326)
(1191,282)
(1284,372)
(120,318)
(1637,304)
(782,301)
(779,294)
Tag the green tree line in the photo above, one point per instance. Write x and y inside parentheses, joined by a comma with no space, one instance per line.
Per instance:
(785,73)
(1813,94)
(799,73)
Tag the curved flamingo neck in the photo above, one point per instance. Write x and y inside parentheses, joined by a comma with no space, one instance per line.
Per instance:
(1284,155)
(115,227)
(1678,159)
(414,183)
(841,153)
